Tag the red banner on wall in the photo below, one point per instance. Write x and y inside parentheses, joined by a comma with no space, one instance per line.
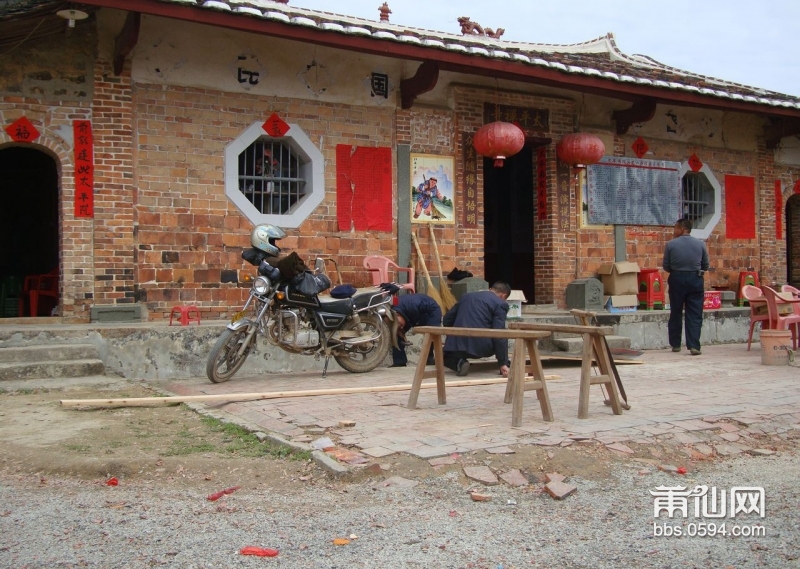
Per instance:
(84,168)
(363,188)
(541,183)
(740,207)
(778,210)
(470,156)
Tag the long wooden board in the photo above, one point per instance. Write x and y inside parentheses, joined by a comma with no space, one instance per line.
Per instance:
(165,401)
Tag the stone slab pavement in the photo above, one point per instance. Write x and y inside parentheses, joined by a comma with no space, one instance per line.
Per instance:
(720,401)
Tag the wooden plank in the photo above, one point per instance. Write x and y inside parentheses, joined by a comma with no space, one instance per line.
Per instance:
(166,401)
(576,358)
(481,332)
(562,328)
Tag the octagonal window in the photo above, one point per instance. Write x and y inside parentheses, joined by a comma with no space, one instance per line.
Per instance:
(702,199)
(274,180)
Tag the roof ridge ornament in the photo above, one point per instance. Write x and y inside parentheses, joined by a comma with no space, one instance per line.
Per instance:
(468,28)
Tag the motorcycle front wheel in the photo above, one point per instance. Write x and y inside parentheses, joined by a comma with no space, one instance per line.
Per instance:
(224,360)
(361,358)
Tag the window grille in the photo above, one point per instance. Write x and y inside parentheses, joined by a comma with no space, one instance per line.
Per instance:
(696,192)
(270,176)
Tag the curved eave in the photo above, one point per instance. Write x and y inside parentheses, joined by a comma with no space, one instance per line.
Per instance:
(452,60)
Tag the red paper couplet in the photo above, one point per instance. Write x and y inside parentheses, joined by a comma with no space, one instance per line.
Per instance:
(275,126)
(541,183)
(84,168)
(740,207)
(778,210)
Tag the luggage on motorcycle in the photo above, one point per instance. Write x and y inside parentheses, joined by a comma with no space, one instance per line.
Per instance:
(310,284)
(254,256)
(291,266)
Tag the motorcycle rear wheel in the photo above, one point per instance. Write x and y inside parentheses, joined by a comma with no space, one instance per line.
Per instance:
(224,361)
(362,358)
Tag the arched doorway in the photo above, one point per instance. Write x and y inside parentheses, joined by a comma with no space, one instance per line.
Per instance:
(793,240)
(28,225)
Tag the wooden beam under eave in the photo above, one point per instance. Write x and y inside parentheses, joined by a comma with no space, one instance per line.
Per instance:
(778,128)
(423,81)
(126,40)
(642,110)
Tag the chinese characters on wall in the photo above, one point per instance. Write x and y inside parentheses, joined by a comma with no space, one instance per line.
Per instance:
(470,157)
(528,119)
(562,194)
(541,183)
(84,169)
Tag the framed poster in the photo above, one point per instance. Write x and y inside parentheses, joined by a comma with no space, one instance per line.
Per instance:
(432,189)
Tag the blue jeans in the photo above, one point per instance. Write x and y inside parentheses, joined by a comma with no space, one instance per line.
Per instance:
(685,292)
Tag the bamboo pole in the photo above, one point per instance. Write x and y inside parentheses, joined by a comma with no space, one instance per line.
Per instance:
(166,401)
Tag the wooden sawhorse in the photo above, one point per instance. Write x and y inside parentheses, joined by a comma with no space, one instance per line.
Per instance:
(594,349)
(516,386)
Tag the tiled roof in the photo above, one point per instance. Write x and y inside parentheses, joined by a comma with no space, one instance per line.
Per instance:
(599,58)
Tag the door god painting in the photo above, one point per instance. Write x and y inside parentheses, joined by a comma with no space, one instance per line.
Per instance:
(432,189)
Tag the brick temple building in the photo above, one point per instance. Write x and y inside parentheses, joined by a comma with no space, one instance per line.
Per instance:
(143,139)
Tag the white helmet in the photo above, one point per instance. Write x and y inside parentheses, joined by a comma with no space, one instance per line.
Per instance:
(264,236)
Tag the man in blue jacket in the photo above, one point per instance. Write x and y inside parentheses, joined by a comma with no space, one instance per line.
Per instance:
(481,309)
(412,310)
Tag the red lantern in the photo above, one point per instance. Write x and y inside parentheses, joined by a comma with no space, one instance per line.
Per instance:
(580,149)
(499,140)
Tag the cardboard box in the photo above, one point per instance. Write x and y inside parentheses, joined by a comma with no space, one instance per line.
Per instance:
(621,303)
(515,300)
(619,278)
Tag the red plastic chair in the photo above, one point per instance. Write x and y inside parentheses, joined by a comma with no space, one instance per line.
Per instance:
(755,299)
(36,287)
(779,321)
(381,270)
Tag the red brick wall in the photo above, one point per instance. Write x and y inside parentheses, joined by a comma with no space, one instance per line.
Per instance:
(189,232)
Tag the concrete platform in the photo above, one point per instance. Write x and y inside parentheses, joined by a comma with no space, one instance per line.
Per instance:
(155,350)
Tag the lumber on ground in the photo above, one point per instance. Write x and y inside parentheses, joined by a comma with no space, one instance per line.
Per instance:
(165,401)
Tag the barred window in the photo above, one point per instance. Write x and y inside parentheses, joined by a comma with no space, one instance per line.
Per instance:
(697,195)
(269,176)
(274,180)
(702,199)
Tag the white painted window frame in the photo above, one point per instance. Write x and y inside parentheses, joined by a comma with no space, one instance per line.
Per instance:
(312,169)
(712,221)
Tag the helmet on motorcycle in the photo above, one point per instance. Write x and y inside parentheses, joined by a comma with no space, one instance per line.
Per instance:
(263,237)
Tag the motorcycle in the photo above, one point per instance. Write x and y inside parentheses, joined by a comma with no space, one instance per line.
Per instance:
(291,315)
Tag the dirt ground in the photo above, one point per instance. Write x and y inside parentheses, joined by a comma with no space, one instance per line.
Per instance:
(179,447)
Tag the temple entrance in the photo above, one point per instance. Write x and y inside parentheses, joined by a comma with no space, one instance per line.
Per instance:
(508,202)
(793,240)
(28,228)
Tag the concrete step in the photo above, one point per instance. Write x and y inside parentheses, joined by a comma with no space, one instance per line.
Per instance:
(40,361)
(48,353)
(574,345)
(40,370)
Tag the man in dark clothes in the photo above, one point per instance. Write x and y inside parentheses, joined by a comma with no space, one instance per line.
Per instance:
(685,259)
(481,309)
(412,310)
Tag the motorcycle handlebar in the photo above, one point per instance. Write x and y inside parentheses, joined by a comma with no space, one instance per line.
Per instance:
(267,270)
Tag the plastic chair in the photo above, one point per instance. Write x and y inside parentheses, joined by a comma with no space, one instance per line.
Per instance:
(755,298)
(779,321)
(36,287)
(379,267)
(794,291)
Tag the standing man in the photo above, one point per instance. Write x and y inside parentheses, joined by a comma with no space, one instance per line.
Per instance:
(425,193)
(481,309)
(686,260)
(412,310)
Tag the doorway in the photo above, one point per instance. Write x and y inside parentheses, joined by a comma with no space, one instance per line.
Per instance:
(793,240)
(508,202)
(28,223)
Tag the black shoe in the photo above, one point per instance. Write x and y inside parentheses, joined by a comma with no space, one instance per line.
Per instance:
(694,351)
(462,368)
(676,348)
(398,365)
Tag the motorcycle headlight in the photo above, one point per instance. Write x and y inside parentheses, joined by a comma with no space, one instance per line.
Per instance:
(261,285)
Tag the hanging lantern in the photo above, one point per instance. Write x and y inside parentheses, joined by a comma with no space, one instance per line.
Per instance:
(580,149)
(499,140)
